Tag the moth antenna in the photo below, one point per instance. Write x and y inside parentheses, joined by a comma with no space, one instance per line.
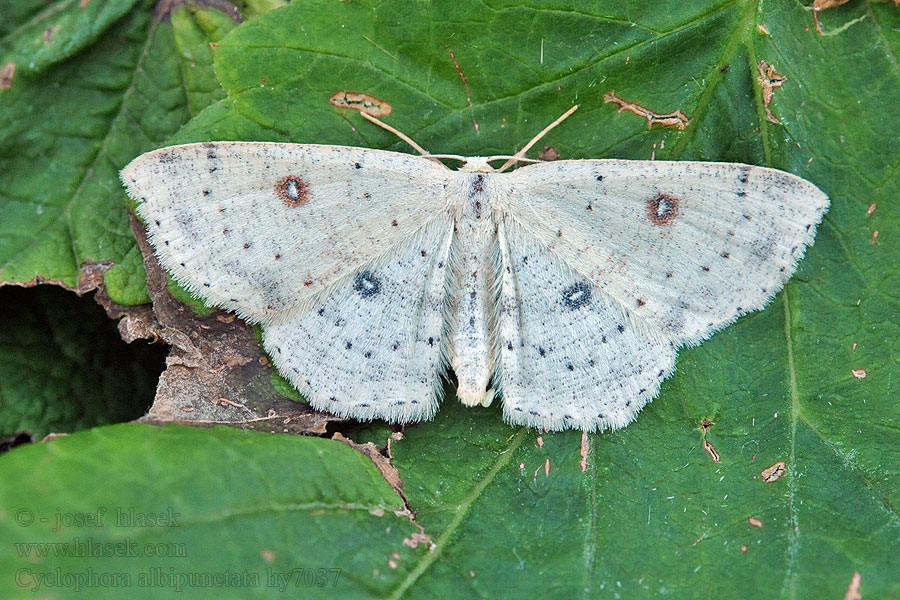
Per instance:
(400,135)
(515,158)
(521,153)
(450,156)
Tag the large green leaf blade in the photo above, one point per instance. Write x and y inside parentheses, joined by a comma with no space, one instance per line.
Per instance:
(652,514)
(37,39)
(225,502)
(66,130)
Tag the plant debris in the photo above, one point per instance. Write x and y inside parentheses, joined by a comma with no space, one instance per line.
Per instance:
(769,79)
(676,119)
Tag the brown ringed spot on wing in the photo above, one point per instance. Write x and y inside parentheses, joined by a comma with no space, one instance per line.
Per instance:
(774,472)
(293,191)
(662,209)
(370,105)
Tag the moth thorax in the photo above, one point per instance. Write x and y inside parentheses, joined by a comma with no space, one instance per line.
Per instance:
(477,164)
(477,197)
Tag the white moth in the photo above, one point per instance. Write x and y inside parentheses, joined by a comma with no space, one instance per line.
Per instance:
(569,286)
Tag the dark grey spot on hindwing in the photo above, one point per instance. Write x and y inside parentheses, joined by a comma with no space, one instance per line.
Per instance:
(366,284)
(577,295)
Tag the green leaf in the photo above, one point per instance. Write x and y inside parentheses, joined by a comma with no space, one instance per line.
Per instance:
(36,35)
(75,121)
(652,514)
(244,507)
(64,366)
